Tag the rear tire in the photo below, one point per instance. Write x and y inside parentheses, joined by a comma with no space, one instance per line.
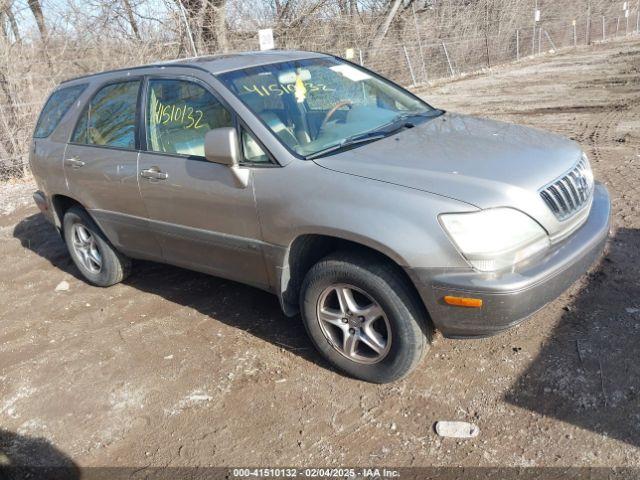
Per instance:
(98,261)
(382,334)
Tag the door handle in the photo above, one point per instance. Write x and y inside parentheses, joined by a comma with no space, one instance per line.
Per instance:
(74,162)
(154,173)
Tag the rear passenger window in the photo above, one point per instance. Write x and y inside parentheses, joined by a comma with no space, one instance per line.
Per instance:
(110,118)
(179,115)
(56,107)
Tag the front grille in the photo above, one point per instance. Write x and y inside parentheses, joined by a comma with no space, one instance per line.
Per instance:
(570,192)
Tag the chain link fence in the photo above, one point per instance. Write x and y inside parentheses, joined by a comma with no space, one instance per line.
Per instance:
(418,59)
(426,60)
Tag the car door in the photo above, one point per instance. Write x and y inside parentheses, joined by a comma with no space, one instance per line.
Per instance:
(203,219)
(101,167)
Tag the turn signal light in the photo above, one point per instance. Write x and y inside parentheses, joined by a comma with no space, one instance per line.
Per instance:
(463,302)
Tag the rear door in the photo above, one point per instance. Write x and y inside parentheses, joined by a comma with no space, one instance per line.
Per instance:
(203,220)
(101,167)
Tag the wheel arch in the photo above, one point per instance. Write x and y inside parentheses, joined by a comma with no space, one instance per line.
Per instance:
(61,203)
(309,248)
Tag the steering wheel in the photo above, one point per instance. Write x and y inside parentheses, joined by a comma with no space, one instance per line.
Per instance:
(334,109)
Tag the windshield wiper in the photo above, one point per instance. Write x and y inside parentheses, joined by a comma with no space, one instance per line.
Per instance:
(347,142)
(400,122)
(424,114)
(397,124)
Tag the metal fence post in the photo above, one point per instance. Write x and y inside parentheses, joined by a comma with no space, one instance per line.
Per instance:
(617,26)
(486,46)
(539,40)
(553,45)
(360,53)
(406,55)
(517,44)
(604,29)
(626,26)
(448,59)
(589,24)
(575,35)
(415,20)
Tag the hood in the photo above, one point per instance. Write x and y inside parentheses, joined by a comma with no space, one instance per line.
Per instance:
(481,162)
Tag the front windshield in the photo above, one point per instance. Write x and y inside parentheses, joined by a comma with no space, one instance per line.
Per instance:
(315,104)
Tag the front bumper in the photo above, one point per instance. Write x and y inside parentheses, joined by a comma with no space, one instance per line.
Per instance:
(508,298)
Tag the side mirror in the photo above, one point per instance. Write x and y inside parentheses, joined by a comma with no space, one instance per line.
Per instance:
(221,146)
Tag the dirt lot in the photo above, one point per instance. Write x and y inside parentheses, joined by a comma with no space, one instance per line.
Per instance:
(174,368)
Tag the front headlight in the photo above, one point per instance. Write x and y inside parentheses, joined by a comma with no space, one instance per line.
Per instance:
(496,238)
(585,166)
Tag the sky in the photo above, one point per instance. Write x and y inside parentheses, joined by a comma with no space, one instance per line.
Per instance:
(55,11)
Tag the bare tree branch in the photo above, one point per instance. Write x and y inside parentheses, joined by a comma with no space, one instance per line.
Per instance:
(132,18)
(36,9)
(381,33)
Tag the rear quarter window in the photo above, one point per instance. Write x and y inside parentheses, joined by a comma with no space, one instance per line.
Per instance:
(109,119)
(56,107)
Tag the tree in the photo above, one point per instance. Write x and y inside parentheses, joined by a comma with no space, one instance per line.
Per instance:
(208,20)
(6,12)
(36,9)
(382,30)
(3,26)
(132,19)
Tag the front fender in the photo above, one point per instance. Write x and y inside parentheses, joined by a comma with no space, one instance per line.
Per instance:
(400,222)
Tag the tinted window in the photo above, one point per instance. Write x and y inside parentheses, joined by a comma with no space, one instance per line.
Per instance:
(179,115)
(110,118)
(55,108)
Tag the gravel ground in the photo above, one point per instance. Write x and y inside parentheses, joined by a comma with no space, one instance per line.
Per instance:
(173,368)
(15,195)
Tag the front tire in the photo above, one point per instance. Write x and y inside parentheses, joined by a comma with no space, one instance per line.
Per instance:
(98,261)
(363,317)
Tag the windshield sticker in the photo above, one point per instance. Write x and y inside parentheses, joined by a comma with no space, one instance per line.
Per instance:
(178,114)
(279,90)
(300,90)
(350,72)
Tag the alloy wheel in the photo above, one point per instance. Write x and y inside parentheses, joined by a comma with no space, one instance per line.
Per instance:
(354,323)
(86,248)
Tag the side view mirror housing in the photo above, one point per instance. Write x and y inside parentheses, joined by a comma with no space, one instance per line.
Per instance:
(221,146)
